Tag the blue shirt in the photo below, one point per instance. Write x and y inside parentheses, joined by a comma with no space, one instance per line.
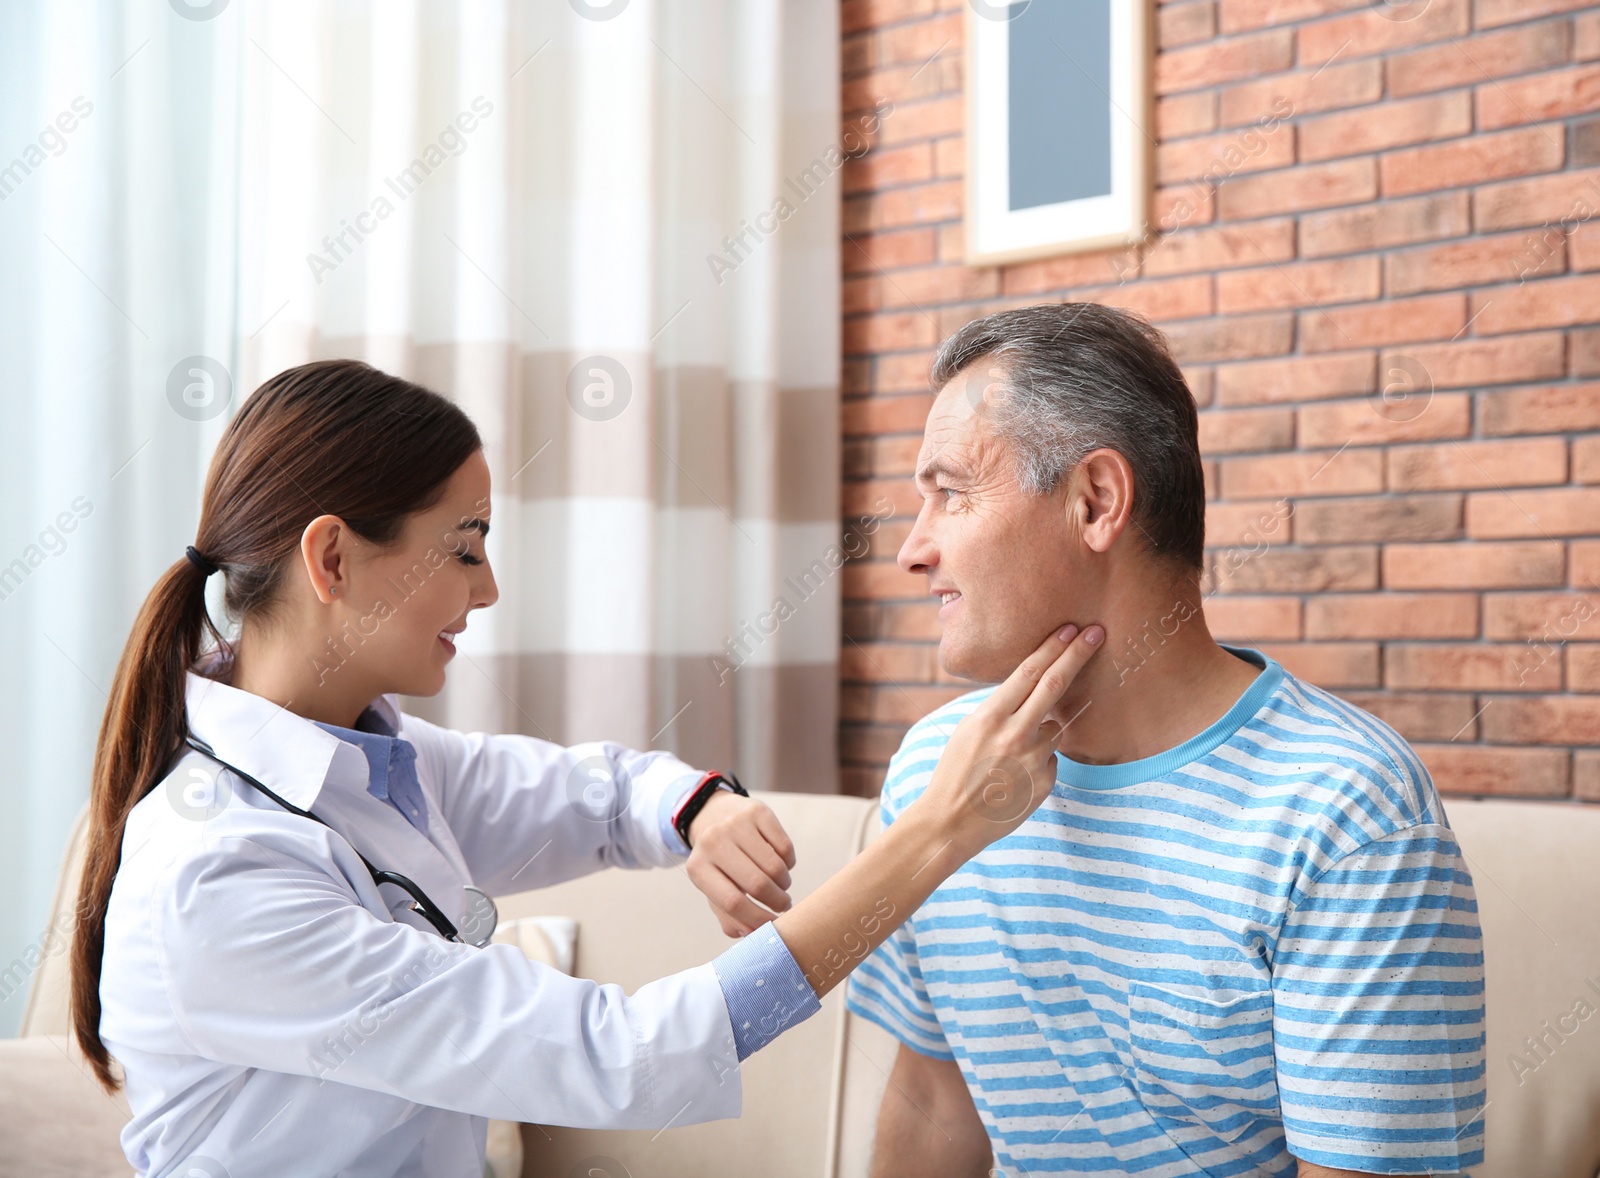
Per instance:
(1259,945)
(391,765)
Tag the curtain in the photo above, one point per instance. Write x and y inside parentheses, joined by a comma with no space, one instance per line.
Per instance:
(607,230)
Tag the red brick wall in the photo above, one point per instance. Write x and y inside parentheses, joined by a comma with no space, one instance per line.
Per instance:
(1405,223)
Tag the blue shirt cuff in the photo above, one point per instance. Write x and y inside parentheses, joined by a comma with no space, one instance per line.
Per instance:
(671,799)
(765,991)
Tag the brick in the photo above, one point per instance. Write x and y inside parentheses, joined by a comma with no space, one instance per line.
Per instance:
(1392,321)
(860,498)
(1583,352)
(1542,617)
(906,622)
(857,16)
(1071,270)
(1547,719)
(1339,280)
(872,744)
(1160,302)
(925,287)
(883,662)
(1346,84)
(1394,124)
(884,168)
(1469,465)
(1392,615)
(1184,24)
(881,251)
(899,84)
(1586,36)
(1543,200)
(1393,518)
(950,156)
(917,204)
(1475,666)
(894,331)
(917,41)
(881,579)
(1420,715)
(1495,515)
(1183,115)
(1583,667)
(1293,570)
(1553,94)
(1313,186)
(1225,61)
(1220,248)
(1303,473)
(1217,157)
(1585,564)
(1547,409)
(1376,420)
(1390,223)
(1527,565)
(1238,16)
(1586,775)
(1549,302)
(1586,459)
(1299,378)
(1183,206)
(1370,32)
(1200,384)
(1492,55)
(1249,524)
(1475,770)
(889,456)
(1472,160)
(913,122)
(885,415)
(902,372)
(1479,261)
(1245,430)
(1252,619)
(908,703)
(1234,338)
(1328,664)
(1475,362)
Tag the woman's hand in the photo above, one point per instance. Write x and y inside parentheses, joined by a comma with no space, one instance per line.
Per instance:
(999,764)
(738,851)
(996,770)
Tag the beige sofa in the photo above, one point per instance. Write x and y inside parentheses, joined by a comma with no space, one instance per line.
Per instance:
(811,1098)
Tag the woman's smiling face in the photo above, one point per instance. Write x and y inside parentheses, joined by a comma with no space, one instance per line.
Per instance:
(406,602)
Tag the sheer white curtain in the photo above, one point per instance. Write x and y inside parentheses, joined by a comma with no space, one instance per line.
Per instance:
(609,231)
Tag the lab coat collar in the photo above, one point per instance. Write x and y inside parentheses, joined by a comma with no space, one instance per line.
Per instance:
(288,754)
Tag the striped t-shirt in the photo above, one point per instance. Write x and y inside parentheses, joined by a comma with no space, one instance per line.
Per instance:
(1258,944)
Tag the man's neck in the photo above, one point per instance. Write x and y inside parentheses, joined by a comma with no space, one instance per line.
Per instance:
(1161,680)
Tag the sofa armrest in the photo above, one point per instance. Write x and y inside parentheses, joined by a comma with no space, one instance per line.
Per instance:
(58,1118)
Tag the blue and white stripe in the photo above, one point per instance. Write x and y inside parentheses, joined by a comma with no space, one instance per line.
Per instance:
(1262,944)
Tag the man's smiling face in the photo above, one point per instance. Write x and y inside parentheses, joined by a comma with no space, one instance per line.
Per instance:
(1000,559)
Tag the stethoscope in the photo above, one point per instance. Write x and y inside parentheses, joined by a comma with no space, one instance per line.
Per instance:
(482,916)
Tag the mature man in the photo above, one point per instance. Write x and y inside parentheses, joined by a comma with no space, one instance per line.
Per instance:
(1238,938)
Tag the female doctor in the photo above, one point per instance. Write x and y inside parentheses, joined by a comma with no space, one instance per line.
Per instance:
(282,940)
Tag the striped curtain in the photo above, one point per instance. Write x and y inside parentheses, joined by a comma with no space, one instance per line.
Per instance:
(538,210)
(609,230)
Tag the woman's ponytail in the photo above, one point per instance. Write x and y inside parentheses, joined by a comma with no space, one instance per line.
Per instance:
(144,725)
(333,437)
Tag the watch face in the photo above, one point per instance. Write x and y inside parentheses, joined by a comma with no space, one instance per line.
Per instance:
(481,918)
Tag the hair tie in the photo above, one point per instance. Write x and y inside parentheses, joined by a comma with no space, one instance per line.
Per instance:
(204,564)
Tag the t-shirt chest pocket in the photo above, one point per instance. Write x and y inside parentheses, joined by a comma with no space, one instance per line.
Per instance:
(1202,1059)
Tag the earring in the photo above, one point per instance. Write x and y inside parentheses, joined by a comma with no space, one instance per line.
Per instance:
(333,588)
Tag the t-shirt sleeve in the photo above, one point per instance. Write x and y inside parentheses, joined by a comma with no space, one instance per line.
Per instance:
(887,988)
(1378,1016)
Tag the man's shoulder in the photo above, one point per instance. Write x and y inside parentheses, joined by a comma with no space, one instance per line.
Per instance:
(911,767)
(1350,755)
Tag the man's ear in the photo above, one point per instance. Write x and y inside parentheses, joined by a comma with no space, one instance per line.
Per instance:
(322,553)
(1102,498)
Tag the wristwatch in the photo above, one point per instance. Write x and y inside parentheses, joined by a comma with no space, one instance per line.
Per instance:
(696,801)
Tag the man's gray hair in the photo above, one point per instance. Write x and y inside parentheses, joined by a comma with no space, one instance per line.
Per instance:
(1077,377)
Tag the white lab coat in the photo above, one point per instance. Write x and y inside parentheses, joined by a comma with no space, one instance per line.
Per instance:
(276,1016)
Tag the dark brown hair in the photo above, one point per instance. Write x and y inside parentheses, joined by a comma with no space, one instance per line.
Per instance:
(335,437)
(1081,376)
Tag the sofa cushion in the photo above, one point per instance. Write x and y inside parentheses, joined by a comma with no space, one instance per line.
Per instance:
(58,1120)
